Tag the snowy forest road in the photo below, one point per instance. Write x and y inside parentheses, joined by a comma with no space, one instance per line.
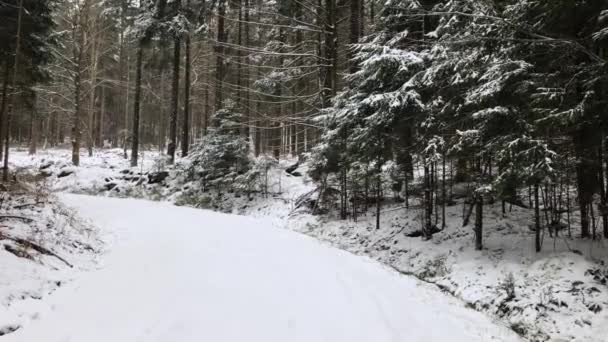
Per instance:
(179,274)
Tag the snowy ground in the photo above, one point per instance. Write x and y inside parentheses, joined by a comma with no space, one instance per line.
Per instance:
(42,246)
(179,274)
(557,295)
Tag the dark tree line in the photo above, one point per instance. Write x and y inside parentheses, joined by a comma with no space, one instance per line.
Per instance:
(411,97)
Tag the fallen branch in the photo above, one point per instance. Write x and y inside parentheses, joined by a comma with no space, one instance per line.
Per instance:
(20,253)
(25,219)
(21,206)
(28,244)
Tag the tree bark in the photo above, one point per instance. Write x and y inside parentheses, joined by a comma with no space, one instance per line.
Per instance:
(187,87)
(378,194)
(136,105)
(537,243)
(479,222)
(428,203)
(13,81)
(92,91)
(219,50)
(443,194)
(4,105)
(33,131)
(355,29)
(174,101)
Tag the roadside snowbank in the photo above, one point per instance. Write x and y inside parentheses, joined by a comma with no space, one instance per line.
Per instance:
(43,245)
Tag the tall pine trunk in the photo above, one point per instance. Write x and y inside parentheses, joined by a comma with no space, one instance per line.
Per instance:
(4,105)
(355,29)
(136,105)
(219,61)
(174,101)
(7,132)
(33,146)
(479,222)
(187,87)
(428,203)
(537,242)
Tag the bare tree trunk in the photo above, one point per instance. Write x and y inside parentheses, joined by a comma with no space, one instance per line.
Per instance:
(428,203)
(92,92)
(247,130)
(355,29)
(330,53)
(603,162)
(101,118)
(4,105)
(219,50)
(443,194)
(13,80)
(479,222)
(126,108)
(187,86)
(33,131)
(136,105)
(537,243)
(79,54)
(174,97)
(123,97)
(378,195)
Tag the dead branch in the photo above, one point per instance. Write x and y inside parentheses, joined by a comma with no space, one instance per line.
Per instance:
(28,244)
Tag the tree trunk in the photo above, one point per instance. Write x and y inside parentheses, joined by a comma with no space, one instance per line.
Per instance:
(13,81)
(101,118)
(4,105)
(79,53)
(585,147)
(355,29)
(221,39)
(33,132)
(329,83)
(537,218)
(136,105)
(247,130)
(174,101)
(604,183)
(428,203)
(92,93)
(187,86)
(378,194)
(479,222)
(443,194)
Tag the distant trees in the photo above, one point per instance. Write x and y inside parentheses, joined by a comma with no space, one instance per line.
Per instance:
(269,58)
(24,34)
(505,96)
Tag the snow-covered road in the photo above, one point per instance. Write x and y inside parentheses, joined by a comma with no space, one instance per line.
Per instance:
(178,274)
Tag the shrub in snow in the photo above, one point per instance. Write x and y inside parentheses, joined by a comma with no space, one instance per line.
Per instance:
(218,159)
(508,286)
(221,158)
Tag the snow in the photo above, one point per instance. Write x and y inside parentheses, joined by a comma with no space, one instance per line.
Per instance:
(28,275)
(557,292)
(182,274)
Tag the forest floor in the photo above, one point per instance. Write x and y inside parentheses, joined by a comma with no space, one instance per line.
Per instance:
(559,294)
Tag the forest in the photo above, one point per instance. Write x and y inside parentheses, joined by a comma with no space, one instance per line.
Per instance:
(454,113)
(506,95)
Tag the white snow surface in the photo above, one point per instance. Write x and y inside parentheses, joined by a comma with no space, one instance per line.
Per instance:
(180,274)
